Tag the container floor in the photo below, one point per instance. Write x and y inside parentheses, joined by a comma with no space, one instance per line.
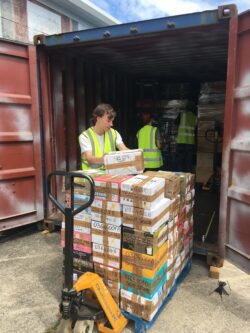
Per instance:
(30,275)
(206,203)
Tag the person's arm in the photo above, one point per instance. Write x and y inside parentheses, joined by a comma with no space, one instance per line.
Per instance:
(158,144)
(86,151)
(122,146)
(158,139)
(92,159)
(119,143)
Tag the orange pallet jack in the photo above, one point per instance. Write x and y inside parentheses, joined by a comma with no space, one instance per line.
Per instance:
(88,301)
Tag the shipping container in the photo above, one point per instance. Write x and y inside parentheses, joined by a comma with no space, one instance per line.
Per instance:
(128,66)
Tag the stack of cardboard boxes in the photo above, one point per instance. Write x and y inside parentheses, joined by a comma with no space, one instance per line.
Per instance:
(137,235)
(209,128)
(145,245)
(106,214)
(185,220)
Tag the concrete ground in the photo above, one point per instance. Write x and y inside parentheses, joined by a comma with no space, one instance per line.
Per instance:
(30,285)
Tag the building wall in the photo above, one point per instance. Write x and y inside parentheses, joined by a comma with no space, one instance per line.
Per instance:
(20,20)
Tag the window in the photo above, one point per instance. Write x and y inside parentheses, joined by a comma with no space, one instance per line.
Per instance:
(42,21)
(6,19)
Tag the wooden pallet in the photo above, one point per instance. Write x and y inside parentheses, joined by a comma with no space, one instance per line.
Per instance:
(210,251)
(52,221)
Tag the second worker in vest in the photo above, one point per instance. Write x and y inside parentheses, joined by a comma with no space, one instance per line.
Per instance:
(100,139)
(186,140)
(148,138)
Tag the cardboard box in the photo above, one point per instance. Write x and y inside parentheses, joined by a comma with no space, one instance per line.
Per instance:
(124,162)
(139,260)
(141,203)
(107,212)
(206,145)
(211,111)
(141,306)
(84,215)
(142,191)
(107,273)
(108,256)
(190,197)
(111,278)
(143,286)
(144,242)
(149,220)
(80,245)
(143,272)
(214,272)
(175,207)
(81,185)
(107,234)
(80,226)
(107,187)
(77,236)
(177,266)
(205,127)
(204,167)
(82,256)
(107,207)
(77,274)
(81,241)
(83,265)
(82,262)
(172,182)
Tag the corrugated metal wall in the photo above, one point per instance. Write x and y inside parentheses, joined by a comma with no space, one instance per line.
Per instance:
(20,152)
(235,191)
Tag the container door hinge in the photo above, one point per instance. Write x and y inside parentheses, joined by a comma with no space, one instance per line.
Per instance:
(227,11)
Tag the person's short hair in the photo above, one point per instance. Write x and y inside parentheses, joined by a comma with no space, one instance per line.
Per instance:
(146,116)
(102,109)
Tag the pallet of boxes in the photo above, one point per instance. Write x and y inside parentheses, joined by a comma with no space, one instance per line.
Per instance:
(141,232)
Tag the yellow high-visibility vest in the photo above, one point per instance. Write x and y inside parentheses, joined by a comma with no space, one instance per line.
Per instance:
(146,140)
(186,130)
(109,145)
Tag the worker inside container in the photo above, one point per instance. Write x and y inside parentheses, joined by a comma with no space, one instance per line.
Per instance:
(186,139)
(100,138)
(149,140)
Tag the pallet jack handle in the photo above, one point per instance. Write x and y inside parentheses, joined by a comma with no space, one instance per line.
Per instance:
(69,213)
(69,179)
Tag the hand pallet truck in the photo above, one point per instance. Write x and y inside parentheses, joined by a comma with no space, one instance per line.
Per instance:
(89,300)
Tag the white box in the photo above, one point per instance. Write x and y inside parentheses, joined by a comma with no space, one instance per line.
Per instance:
(142,191)
(147,219)
(108,256)
(84,229)
(107,212)
(107,234)
(124,162)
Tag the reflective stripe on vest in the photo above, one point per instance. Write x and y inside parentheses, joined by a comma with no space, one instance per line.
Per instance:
(186,130)
(146,141)
(109,145)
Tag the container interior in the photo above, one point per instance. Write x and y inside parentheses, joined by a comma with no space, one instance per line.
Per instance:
(132,74)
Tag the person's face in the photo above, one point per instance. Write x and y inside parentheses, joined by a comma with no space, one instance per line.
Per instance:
(104,122)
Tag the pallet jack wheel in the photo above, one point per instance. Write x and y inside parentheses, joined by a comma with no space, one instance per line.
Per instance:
(65,326)
(84,326)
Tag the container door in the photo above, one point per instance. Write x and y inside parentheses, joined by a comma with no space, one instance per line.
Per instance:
(21,195)
(235,191)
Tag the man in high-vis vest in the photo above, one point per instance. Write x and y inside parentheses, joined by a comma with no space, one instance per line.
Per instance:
(99,139)
(186,141)
(149,140)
